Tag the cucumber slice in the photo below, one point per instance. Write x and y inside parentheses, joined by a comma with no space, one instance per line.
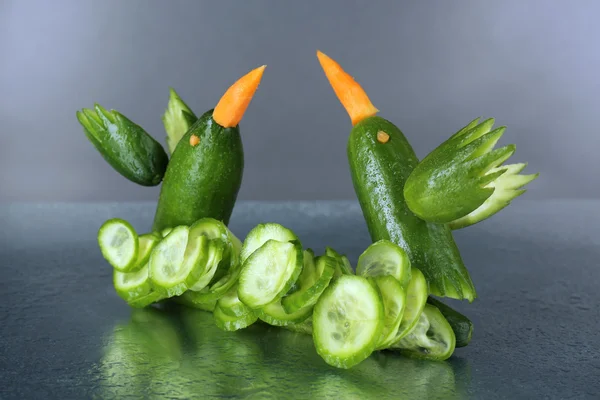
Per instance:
(188,299)
(461,325)
(308,270)
(385,258)
(195,258)
(210,227)
(416,298)
(146,244)
(260,234)
(344,266)
(215,250)
(229,323)
(231,305)
(165,232)
(269,273)
(394,299)
(215,229)
(274,314)
(132,285)
(118,243)
(217,290)
(147,300)
(305,327)
(431,338)
(169,269)
(348,321)
(312,283)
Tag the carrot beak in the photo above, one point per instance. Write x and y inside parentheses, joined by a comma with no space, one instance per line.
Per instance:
(349,92)
(232,106)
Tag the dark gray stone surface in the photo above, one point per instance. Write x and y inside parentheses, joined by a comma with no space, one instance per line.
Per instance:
(65,334)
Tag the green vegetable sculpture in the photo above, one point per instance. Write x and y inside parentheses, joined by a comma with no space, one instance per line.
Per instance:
(381,160)
(124,145)
(386,303)
(463,180)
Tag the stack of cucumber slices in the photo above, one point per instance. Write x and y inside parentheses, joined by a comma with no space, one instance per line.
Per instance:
(271,278)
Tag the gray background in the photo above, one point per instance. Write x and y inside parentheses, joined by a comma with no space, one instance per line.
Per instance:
(430,66)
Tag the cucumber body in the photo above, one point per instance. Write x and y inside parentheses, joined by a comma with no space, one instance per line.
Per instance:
(201,180)
(379,171)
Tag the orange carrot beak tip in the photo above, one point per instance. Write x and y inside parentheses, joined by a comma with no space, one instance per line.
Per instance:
(232,106)
(324,58)
(348,91)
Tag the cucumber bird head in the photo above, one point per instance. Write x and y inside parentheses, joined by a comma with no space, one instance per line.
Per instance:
(206,168)
(179,117)
(463,180)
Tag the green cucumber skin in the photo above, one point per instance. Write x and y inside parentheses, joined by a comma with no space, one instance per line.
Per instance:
(461,325)
(379,171)
(203,180)
(128,149)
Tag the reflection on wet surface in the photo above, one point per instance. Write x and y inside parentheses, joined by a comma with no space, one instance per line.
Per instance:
(178,352)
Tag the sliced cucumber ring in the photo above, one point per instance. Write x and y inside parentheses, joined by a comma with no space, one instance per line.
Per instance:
(416,298)
(214,255)
(348,321)
(461,325)
(132,285)
(219,288)
(269,273)
(305,327)
(195,258)
(394,299)
(229,323)
(231,305)
(118,243)
(146,244)
(211,228)
(432,338)
(168,271)
(261,234)
(312,283)
(145,301)
(385,258)
(187,299)
(274,314)
(215,229)
(165,232)
(308,271)
(344,267)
